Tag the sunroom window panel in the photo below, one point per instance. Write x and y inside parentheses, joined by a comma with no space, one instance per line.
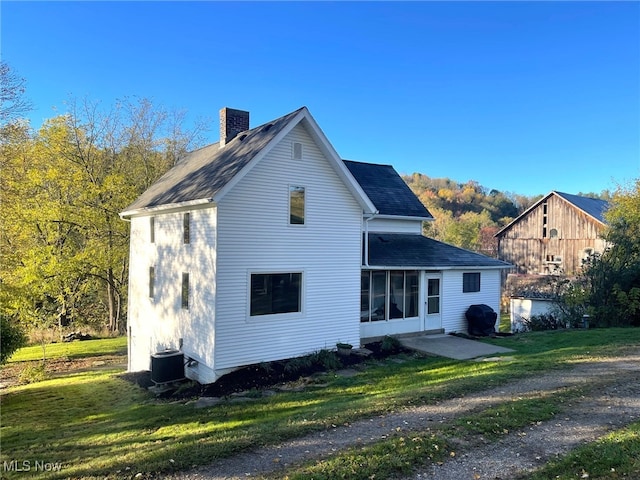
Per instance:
(379,295)
(365,296)
(396,292)
(412,287)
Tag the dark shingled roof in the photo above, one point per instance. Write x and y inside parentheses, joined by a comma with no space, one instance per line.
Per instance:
(203,172)
(386,189)
(416,251)
(592,206)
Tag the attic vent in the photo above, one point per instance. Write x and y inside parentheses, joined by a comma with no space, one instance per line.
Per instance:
(268,127)
(242,137)
(297,151)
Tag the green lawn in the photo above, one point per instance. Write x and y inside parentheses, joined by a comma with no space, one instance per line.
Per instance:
(77,349)
(96,425)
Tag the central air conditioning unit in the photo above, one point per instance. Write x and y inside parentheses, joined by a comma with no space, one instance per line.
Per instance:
(167,366)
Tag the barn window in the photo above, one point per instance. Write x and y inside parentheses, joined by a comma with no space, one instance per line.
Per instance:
(273,293)
(553,233)
(471,282)
(152,229)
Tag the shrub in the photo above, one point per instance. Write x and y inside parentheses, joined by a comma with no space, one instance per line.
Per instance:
(33,373)
(390,345)
(12,337)
(542,322)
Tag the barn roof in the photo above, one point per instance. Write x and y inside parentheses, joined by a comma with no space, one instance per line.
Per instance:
(593,207)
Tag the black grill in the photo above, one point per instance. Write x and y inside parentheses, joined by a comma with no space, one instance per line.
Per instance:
(482,320)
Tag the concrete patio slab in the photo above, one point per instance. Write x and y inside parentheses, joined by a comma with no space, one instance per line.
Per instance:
(450,346)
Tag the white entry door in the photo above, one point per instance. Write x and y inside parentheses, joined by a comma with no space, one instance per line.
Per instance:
(432,302)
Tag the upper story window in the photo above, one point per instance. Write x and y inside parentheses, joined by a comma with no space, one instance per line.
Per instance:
(186,227)
(296,205)
(152,229)
(296,151)
(471,282)
(553,233)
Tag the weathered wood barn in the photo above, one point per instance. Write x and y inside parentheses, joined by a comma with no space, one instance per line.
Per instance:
(554,236)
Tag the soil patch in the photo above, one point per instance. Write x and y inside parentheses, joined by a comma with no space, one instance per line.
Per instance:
(270,374)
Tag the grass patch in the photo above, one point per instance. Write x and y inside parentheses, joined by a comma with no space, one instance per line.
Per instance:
(397,456)
(494,422)
(99,426)
(616,455)
(71,350)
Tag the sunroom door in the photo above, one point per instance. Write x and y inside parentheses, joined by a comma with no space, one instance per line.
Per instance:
(432,302)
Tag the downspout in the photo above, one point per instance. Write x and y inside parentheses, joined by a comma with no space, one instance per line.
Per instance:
(366,237)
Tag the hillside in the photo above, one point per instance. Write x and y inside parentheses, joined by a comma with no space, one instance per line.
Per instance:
(468,214)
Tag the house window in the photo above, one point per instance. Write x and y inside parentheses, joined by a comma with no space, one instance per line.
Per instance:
(185,291)
(386,295)
(296,151)
(470,282)
(186,228)
(296,205)
(273,293)
(152,229)
(152,281)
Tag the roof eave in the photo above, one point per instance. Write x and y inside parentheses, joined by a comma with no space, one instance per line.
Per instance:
(168,208)
(436,267)
(403,217)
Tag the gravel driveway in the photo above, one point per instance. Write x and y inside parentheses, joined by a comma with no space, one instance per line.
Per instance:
(612,401)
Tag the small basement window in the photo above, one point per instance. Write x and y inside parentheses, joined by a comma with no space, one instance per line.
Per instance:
(470,282)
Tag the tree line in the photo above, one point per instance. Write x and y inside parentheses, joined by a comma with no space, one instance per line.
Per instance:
(468,215)
(64,246)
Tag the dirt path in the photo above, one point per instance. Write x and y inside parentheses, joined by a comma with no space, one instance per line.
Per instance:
(612,401)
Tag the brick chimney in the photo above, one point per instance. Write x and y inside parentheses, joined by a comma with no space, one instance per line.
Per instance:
(232,122)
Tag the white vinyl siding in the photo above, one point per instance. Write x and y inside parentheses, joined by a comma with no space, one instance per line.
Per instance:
(390,225)
(455,303)
(160,322)
(254,235)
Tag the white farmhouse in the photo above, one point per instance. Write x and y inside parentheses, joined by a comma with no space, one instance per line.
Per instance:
(267,245)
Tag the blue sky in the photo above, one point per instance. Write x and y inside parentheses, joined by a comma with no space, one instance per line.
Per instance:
(522,97)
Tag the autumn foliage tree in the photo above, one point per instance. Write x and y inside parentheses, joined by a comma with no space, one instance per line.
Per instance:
(66,248)
(612,280)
